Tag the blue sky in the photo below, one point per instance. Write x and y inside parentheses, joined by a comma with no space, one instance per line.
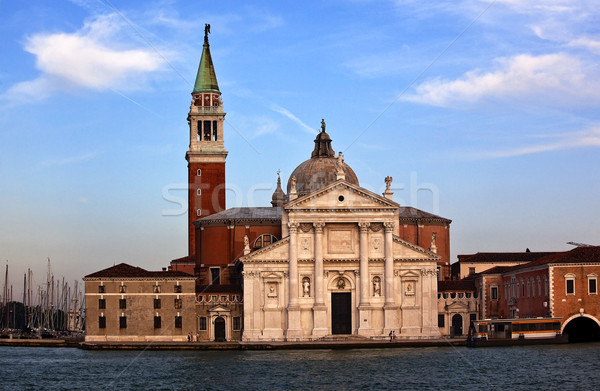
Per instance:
(484,112)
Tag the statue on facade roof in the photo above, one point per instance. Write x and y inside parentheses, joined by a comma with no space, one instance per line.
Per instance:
(322,124)
(388,183)
(206,29)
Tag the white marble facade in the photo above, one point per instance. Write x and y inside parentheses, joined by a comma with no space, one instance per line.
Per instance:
(339,269)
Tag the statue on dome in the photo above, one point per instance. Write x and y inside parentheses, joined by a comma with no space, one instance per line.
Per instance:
(206,29)
(322,124)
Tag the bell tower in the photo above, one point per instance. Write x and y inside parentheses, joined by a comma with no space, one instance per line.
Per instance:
(206,155)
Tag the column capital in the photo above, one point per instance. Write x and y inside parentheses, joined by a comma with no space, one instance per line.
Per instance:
(319,226)
(293,227)
(389,227)
(364,227)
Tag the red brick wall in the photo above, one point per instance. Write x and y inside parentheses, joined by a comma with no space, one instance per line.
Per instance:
(565,305)
(421,236)
(212,200)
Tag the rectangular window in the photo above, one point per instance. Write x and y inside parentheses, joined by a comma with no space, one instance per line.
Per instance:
(101,304)
(214,130)
(122,304)
(202,323)
(592,286)
(177,304)
(237,323)
(122,322)
(471,270)
(199,172)
(177,289)
(215,275)
(101,288)
(157,322)
(199,192)
(441,320)
(570,287)
(198,212)
(156,289)
(102,322)
(157,304)
(494,293)
(122,289)
(178,322)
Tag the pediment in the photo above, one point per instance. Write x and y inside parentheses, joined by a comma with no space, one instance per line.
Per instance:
(278,251)
(342,195)
(457,306)
(405,250)
(219,309)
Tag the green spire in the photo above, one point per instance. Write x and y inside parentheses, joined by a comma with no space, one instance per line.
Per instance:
(206,79)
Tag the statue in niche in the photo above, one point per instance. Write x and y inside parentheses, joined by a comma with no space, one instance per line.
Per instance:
(409,289)
(306,287)
(272,291)
(433,236)
(376,286)
(246,243)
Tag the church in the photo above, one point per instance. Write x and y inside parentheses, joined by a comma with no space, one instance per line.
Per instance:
(328,258)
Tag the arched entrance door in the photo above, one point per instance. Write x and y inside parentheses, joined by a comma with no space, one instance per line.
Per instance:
(219,329)
(457,322)
(582,329)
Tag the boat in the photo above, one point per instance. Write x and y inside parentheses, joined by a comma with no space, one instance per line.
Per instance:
(520,331)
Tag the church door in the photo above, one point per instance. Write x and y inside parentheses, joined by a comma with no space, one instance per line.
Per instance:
(341,313)
(457,321)
(219,329)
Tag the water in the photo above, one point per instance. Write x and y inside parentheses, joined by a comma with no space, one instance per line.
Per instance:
(565,367)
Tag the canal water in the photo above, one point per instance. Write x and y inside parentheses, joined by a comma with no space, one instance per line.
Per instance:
(564,367)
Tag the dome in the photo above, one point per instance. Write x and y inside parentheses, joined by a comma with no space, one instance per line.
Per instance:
(321,169)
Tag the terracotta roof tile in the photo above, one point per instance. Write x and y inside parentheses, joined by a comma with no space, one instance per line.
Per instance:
(123,270)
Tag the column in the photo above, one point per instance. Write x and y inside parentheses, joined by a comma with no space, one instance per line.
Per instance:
(319,294)
(364,308)
(320,324)
(364,263)
(293,264)
(390,307)
(294,331)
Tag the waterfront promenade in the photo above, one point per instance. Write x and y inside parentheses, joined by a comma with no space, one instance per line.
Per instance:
(238,345)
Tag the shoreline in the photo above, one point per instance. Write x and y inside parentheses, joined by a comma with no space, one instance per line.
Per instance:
(233,345)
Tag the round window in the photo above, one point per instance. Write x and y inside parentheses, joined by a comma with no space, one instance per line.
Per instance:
(341,198)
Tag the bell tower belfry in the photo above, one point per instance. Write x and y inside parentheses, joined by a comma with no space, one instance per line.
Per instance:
(206,155)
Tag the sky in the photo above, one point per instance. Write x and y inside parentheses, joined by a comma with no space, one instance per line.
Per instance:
(483,112)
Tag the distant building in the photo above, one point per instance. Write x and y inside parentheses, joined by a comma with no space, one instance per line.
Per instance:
(471,264)
(561,285)
(126,303)
(458,306)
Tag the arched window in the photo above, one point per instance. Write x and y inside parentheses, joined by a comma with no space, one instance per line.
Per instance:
(264,240)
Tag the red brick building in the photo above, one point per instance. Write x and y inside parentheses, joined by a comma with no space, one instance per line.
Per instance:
(560,285)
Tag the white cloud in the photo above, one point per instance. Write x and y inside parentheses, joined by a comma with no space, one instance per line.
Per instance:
(586,43)
(551,78)
(95,57)
(586,138)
